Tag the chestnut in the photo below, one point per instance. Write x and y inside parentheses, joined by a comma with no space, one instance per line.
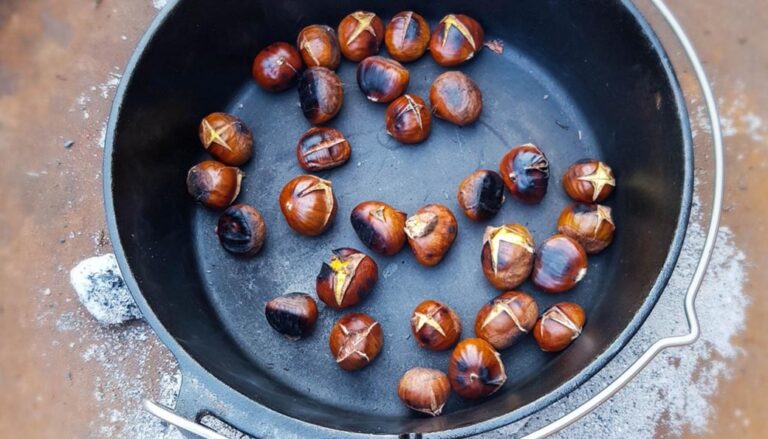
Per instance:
(456,39)
(379,226)
(431,231)
(241,230)
(503,320)
(589,224)
(456,98)
(355,341)
(360,35)
(424,390)
(475,369)
(308,204)
(320,94)
(322,148)
(559,326)
(226,138)
(507,255)
(347,278)
(435,326)
(277,67)
(589,181)
(560,264)
(408,119)
(319,47)
(294,315)
(481,195)
(525,170)
(214,184)
(381,79)
(407,36)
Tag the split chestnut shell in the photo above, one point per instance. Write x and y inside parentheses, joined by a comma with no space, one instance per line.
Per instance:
(347,278)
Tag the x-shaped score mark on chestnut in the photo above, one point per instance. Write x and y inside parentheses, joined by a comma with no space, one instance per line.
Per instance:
(352,343)
(505,235)
(429,320)
(599,179)
(364,20)
(451,21)
(502,307)
(213,135)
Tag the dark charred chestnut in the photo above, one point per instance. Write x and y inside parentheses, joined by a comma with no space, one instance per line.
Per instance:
(308,204)
(319,47)
(320,94)
(381,79)
(379,226)
(293,315)
(475,369)
(226,138)
(456,39)
(322,148)
(407,36)
(503,320)
(507,255)
(560,325)
(560,264)
(589,181)
(589,224)
(435,325)
(481,195)
(213,184)
(431,231)
(456,98)
(525,170)
(355,340)
(241,230)
(360,35)
(277,67)
(424,390)
(408,119)
(347,278)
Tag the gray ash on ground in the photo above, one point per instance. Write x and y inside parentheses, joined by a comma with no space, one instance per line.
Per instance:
(102,290)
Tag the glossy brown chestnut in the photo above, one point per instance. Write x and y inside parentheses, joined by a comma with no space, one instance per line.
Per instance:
(294,315)
(379,226)
(560,264)
(456,98)
(319,46)
(277,67)
(481,195)
(424,390)
(456,39)
(503,320)
(308,204)
(407,36)
(525,170)
(347,278)
(213,184)
(360,35)
(559,326)
(475,369)
(589,224)
(431,231)
(435,325)
(408,119)
(322,148)
(241,230)
(589,181)
(320,94)
(382,79)
(355,340)
(226,138)
(507,255)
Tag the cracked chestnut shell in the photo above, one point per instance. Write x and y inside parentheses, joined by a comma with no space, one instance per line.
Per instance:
(589,224)
(322,148)
(507,255)
(560,264)
(379,226)
(560,325)
(525,170)
(227,138)
(424,390)
(475,369)
(481,195)
(321,94)
(308,204)
(347,278)
(382,79)
(435,326)
(241,230)
(503,320)
(589,181)
(456,98)
(360,35)
(431,232)
(277,67)
(407,36)
(294,315)
(355,340)
(213,184)
(456,39)
(408,119)
(319,46)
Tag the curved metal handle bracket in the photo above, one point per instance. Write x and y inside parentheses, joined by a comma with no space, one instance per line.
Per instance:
(172,418)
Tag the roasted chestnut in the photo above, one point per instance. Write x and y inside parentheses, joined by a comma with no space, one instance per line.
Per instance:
(319,47)
(456,39)
(322,148)
(408,119)
(241,230)
(293,315)
(560,264)
(347,278)
(226,138)
(435,326)
(475,369)
(379,226)
(525,170)
(320,94)
(559,326)
(504,319)
(589,224)
(360,35)
(213,184)
(381,79)
(424,390)
(456,98)
(481,195)
(407,36)
(308,204)
(431,231)
(277,67)
(355,340)
(589,181)
(507,255)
